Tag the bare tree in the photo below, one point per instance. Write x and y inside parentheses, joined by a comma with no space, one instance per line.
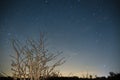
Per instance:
(33,60)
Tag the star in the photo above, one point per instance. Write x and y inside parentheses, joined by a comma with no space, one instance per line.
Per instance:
(96,32)
(93,14)
(71,6)
(100,34)
(46,1)
(84,19)
(105,18)
(97,40)
(9,34)
(78,0)
(104,66)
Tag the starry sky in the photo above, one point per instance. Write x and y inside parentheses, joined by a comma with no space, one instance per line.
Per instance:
(87,31)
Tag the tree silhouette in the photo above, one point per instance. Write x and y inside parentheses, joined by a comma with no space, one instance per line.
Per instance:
(33,60)
(112,74)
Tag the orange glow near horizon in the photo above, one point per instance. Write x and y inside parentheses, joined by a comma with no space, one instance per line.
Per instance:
(68,73)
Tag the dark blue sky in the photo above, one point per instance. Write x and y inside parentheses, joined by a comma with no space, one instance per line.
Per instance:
(87,31)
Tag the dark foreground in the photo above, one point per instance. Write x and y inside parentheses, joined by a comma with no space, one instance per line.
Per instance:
(117,77)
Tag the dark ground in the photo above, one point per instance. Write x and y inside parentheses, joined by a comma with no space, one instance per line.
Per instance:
(112,76)
(117,77)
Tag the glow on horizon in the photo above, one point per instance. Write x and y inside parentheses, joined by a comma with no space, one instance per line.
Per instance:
(67,69)
(81,74)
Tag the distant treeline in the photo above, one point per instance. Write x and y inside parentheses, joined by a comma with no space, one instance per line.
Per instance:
(117,77)
(112,76)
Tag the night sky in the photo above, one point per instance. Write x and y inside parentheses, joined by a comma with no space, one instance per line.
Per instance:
(87,31)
